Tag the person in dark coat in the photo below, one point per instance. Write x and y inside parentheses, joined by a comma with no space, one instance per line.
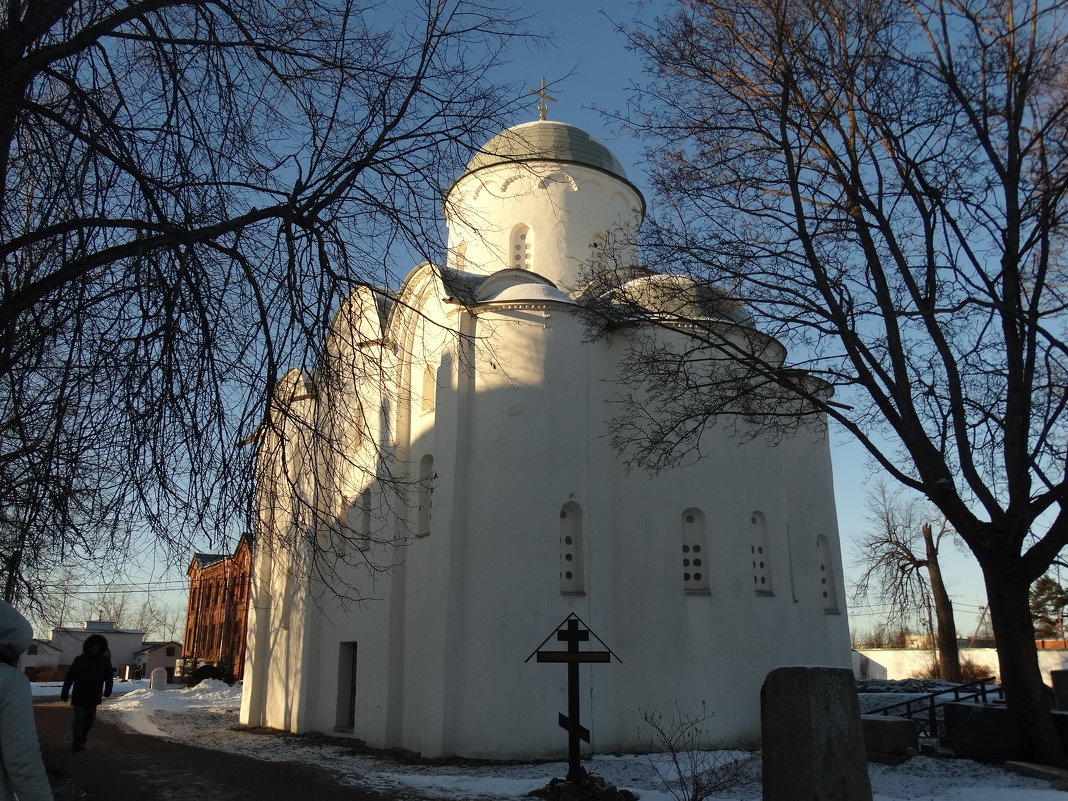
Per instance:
(90,678)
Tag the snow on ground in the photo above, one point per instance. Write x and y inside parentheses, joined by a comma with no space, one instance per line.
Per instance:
(206,715)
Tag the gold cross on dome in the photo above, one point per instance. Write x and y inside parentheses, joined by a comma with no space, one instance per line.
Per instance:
(543,95)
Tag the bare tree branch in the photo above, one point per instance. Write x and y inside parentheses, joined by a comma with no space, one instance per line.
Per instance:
(879,189)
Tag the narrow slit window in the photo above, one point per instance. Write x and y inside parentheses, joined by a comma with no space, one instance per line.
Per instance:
(571,561)
(359,525)
(694,552)
(426,495)
(430,391)
(522,253)
(827,583)
(365,524)
(760,550)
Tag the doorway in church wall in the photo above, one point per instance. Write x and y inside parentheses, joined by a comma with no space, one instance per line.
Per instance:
(345,720)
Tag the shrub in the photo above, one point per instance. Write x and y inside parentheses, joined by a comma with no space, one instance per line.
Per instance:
(693,769)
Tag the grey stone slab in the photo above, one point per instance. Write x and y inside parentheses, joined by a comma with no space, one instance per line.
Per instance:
(813,744)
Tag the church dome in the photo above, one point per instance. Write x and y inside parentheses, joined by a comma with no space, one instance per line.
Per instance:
(680,296)
(546,140)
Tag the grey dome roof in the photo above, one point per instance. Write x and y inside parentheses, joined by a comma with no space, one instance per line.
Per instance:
(546,140)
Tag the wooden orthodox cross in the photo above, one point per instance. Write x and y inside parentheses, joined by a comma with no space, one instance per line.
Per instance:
(573,631)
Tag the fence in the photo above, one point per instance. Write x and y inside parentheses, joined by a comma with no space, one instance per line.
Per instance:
(908,663)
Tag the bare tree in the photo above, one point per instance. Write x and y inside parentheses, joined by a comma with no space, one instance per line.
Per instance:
(187,190)
(879,188)
(899,559)
(139,612)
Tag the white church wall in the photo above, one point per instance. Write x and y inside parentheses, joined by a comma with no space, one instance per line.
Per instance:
(278,610)
(635,586)
(257,653)
(376,675)
(421,600)
(511,591)
(719,628)
(690,630)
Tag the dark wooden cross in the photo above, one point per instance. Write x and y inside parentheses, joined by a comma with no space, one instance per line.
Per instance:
(573,631)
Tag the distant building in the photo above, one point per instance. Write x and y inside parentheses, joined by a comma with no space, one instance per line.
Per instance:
(158,654)
(217,616)
(122,643)
(40,655)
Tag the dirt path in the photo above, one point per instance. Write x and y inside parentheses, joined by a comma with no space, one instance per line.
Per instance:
(120,765)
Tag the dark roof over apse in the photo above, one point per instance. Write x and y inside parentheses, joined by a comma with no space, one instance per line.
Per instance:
(546,140)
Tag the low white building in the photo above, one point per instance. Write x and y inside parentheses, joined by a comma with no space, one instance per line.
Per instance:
(39,653)
(122,643)
(157,654)
(507,509)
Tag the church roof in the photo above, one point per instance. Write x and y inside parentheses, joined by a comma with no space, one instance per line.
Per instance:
(205,559)
(546,140)
(460,285)
(503,286)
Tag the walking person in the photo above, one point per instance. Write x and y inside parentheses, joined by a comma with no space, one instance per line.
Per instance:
(22,773)
(88,682)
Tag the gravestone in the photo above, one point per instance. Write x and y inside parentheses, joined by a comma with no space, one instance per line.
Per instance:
(813,745)
(158,679)
(889,739)
(981,732)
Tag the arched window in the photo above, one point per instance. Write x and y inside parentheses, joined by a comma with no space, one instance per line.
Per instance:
(571,568)
(430,390)
(364,542)
(827,580)
(759,546)
(522,248)
(460,260)
(694,552)
(426,495)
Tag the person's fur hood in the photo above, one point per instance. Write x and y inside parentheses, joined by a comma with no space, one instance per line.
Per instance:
(99,641)
(15,632)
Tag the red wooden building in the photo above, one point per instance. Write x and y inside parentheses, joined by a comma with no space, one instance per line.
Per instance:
(217,617)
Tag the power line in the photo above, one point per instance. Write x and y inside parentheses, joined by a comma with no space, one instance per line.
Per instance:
(117,589)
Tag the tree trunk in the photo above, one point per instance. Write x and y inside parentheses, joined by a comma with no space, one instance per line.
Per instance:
(1026,695)
(948,656)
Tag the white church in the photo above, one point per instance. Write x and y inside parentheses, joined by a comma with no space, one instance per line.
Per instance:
(447,458)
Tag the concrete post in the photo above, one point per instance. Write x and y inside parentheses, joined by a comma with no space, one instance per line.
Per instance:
(813,745)
(1060,688)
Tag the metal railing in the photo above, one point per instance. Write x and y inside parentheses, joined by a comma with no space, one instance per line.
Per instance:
(926,709)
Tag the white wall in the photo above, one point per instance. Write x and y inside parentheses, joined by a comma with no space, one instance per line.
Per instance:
(907,663)
(44,656)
